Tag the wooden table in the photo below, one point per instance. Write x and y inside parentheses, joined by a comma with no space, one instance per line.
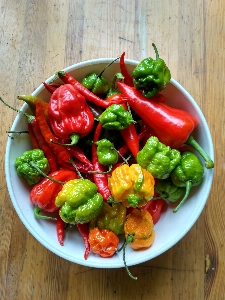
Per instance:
(38,38)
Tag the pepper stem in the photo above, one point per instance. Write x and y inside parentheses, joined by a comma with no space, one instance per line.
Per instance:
(156,51)
(99,75)
(99,172)
(43,174)
(37,214)
(188,188)
(74,140)
(30,118)
(74,165)
(209,164)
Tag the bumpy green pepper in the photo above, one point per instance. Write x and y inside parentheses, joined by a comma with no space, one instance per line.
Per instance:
(113,88)
(151,76)
(79,201)
(107,155)
(116,117)
(25,165)
(111,218)
(166,190)
(189,172)
(157,158)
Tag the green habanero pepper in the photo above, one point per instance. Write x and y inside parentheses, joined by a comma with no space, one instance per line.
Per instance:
(157,158)
(25,165)
(112,217)
(116,117)
(79,201)
(189,172)
(166,190)
(151,76)
(96,83)
(107,155)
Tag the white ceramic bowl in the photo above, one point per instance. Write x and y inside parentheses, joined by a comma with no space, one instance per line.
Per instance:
(170,228)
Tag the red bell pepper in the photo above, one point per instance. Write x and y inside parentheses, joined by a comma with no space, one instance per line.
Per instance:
(172,126)
(69,114)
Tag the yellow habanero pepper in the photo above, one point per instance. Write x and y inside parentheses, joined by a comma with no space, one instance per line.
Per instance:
(131,185)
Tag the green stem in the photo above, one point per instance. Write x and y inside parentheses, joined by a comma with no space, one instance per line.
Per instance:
(99,172)
(209,164)
(156,51)
(74,165)
(188,188)
(162,196)
(37,214)
(74,140)
(43,174)
(30,118)
(108,66)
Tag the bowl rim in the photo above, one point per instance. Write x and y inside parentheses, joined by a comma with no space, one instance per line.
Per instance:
(86,262)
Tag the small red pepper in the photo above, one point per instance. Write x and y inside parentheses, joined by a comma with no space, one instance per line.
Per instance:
(172,126)
(154,207)
(101,180)
(60,229)
(127,77)
(67,78)
(49,87)
(84,232)
(43,194)
(69,114)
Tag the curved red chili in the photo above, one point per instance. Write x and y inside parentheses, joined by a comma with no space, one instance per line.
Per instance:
(127,77)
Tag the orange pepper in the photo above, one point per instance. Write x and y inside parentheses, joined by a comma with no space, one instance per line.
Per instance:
(139,229)
(103,242)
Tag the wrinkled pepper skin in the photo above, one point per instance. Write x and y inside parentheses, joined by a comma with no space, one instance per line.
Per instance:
(26,171)
(188,173)
(131,185)
(166,190)
(116,117)
(44,193)
(139,228)
(112,217)
(157,158)
(98,85)
(106,153)
(151,76)
(69,113)
(79,201)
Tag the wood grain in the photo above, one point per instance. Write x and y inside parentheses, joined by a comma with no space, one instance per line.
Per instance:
(40,37)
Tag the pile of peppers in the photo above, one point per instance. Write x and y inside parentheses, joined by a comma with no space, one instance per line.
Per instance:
(107,157)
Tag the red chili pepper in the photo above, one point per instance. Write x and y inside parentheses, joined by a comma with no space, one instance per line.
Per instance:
(154,207)
(49,88)
(81,166)
(67,78)
(60,229)
(34,141)
(43,194)
(84,232)
(127,77)
(60,151)
(79,154)
(43,145)
(172,126)
(101,180)
(69,114)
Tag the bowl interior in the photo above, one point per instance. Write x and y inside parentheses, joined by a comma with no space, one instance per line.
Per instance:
(170,228)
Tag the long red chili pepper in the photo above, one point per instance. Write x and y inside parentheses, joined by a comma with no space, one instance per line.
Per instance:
(49,88)
(33,139)
(172,126)
(67,78)
(84,232)
(44,146)
(127,77)
(60,229)
(79,154)
(101,180)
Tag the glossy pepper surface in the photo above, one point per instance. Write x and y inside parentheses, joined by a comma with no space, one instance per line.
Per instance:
(69,114)
(131,185)
(166,190)
(97,84)
(79,201)
(112,217)
(103,242)
(115,117)
(157,158)
(151,76)
(107,155)
(189,172)
(25,169)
